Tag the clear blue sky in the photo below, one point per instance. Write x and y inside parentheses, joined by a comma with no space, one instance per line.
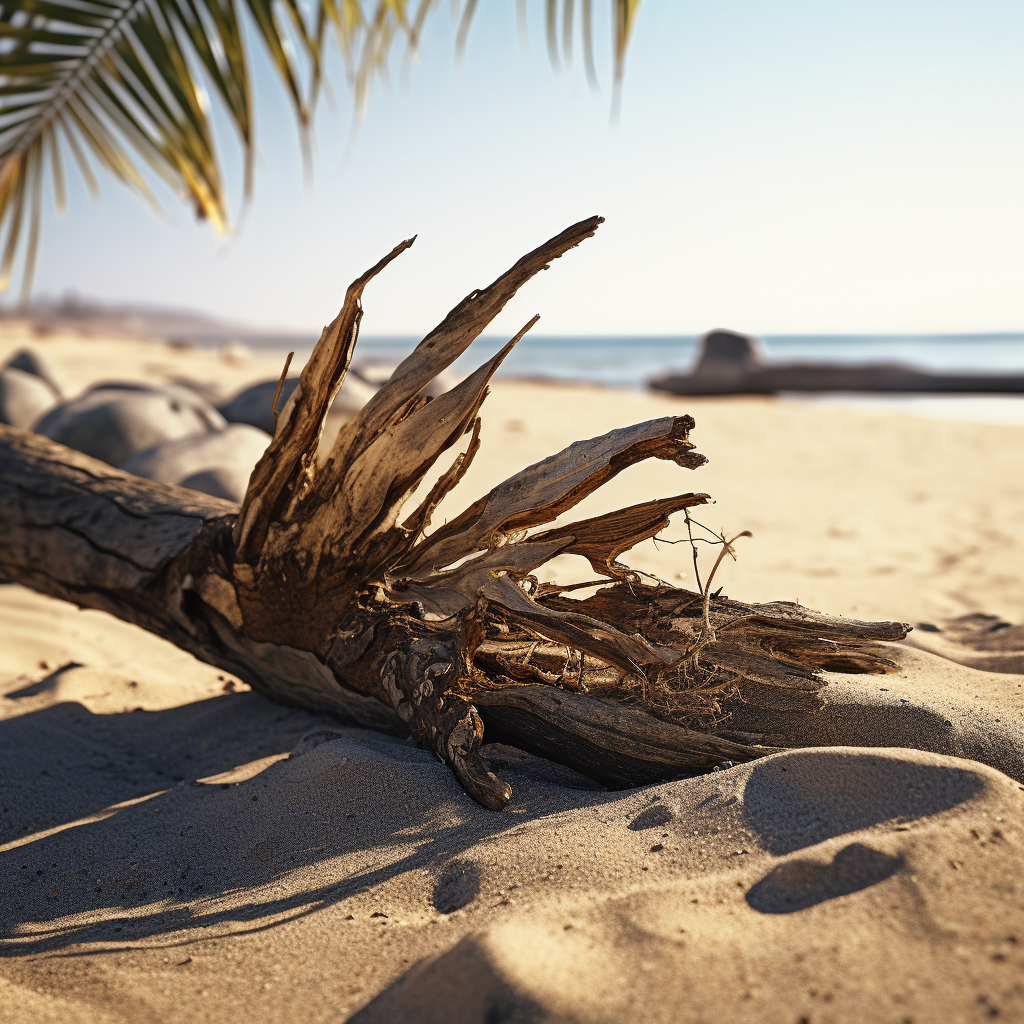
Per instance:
(779,166)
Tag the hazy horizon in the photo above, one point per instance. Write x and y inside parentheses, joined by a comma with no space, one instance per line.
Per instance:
(789,169)
(87,306)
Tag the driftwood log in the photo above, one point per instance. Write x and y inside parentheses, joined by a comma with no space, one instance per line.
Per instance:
(323,591)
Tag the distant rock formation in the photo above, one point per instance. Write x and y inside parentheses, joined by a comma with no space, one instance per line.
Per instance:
(728,356)
(730,363)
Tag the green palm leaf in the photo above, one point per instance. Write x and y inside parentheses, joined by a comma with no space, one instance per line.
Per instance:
(120,83)
(117,81)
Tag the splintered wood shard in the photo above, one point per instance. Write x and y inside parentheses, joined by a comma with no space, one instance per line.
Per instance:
(284,467)
(602,539)
(544,491)
(319,594)
(443,345)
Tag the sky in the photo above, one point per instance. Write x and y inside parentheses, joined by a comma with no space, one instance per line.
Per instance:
(778,166)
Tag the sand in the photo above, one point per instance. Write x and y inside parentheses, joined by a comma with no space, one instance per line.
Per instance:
(175,848)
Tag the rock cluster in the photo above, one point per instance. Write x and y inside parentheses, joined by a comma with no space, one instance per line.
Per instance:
(169,432)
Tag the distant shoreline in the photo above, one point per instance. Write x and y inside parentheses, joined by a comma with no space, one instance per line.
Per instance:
(615,361)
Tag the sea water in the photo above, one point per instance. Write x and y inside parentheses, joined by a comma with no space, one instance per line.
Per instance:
(630,361)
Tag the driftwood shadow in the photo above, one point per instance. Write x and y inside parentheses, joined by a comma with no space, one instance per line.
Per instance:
(176,860)
(63,763)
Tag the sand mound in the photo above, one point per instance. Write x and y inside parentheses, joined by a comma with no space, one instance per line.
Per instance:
(212,856)
(174,849)
(834,885)
(980,641)
(933,703)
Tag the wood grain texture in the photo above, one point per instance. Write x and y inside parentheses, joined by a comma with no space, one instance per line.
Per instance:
(315,594)
(84,523)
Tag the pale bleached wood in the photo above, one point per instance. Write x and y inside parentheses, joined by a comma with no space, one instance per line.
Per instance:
(545,490)
(443,345)
(314,593)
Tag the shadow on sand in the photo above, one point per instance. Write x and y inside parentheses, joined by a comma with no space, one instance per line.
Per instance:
(348,811)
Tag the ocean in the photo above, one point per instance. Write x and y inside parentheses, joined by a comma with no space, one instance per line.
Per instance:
(629,361)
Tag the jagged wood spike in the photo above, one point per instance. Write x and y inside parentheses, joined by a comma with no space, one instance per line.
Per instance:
(353,514)
(542,492)
(602,539)
(443,345)
(279,473)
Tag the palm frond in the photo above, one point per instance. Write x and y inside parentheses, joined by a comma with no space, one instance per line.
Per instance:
(367,37)
(623,20)
(119,83)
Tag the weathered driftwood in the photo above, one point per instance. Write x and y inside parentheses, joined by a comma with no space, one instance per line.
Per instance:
(318,593)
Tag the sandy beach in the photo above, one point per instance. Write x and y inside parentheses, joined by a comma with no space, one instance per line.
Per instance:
(176,848)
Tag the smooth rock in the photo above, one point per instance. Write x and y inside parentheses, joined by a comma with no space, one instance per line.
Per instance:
(219,464)
(31,362)
(254,404)
(211,391)
(115,421)
(24,398)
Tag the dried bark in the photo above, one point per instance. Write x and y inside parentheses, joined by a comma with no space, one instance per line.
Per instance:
(318,593)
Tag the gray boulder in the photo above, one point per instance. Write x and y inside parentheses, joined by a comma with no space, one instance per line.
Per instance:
(219,464)
(253,405)
(24,398)
(31,362)
(115,421)
(210,390)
